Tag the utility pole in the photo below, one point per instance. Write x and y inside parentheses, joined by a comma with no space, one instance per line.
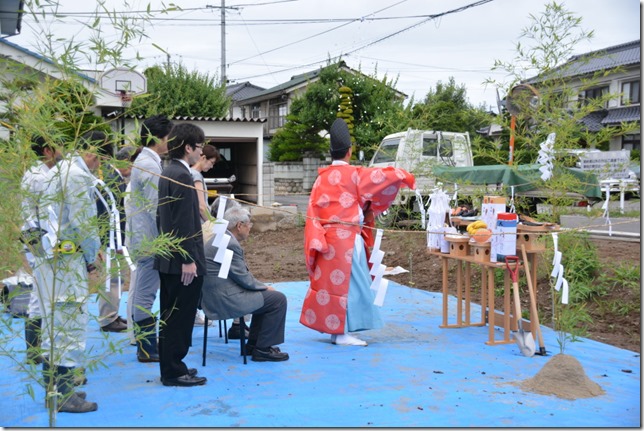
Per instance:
(223,43)
(224,80)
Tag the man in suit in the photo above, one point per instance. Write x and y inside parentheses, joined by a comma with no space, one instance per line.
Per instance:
(141,213)
(181,274)
(241,293)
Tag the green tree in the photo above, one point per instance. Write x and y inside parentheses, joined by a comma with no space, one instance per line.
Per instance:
(446,108)
(296,138)
(375,103)
(173,90)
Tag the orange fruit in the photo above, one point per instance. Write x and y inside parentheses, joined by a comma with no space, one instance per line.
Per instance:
(482,235)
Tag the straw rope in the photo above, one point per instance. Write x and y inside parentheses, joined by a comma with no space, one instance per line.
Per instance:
(423,232)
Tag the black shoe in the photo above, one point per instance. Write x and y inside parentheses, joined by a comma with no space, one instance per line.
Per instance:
(234,331)
(272,354)
(185,380)
(251,347)
(122,320)
(115,326)
(192,372)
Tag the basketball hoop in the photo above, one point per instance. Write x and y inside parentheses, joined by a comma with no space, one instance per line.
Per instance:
(123,84)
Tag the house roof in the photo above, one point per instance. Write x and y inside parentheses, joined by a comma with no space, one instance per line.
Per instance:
(595,121)
(295,81)
(298,80)
(36,59)
(625,114)
(243,90)
(625,54)
(115,114)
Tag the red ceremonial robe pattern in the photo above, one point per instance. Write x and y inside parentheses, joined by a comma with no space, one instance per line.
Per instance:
(332,223)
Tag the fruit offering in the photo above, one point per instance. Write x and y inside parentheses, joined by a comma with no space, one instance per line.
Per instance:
(482,235)
(474,226)
(479,231)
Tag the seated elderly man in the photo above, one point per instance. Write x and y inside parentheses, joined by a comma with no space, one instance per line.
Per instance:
(241,293)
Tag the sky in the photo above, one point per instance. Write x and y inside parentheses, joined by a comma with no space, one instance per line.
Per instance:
(417,42)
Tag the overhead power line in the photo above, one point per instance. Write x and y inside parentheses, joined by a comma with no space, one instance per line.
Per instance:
(427,19)
(314,35)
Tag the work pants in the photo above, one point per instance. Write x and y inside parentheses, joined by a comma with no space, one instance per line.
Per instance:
(63,289)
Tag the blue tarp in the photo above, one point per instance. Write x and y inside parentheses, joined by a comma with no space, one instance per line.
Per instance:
(412,374)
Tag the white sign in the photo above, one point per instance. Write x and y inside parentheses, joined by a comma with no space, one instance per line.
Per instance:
(606,164)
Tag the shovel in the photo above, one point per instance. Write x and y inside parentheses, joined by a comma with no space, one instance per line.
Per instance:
(533,302)
(524,340)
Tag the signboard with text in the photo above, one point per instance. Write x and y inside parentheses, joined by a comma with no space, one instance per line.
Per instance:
(606,164)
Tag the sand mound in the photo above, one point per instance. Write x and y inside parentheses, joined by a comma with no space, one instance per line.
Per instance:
(564,377)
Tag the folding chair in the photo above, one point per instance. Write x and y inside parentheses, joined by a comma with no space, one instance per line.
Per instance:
(242,339)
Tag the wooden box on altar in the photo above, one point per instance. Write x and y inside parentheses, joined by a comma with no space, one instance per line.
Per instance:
(458,245)
(481,251)
(531,237)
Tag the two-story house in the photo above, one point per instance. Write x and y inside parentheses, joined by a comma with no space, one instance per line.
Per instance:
(622,64)
(238,92)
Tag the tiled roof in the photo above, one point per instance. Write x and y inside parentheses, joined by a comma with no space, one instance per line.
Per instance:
(197,118)
(595,121)
(243,90)
(625,54)
(609,58)
(232,120)
(293,82)
(624,114)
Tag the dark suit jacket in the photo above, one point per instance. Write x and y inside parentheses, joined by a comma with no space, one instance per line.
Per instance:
(235,296)
(178,215)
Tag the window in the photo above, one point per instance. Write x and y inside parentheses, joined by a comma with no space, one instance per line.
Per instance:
(387,151)
(446,150)
(255,111)
(631,92)
(589,94)
(631,142)
(430,145)
(277,115)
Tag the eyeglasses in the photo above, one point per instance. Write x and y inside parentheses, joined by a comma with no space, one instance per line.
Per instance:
(198,146)
(249,224)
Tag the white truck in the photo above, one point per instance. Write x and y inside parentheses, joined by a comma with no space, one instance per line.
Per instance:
(417,151)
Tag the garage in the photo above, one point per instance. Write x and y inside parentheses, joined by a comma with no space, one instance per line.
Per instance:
(240,141)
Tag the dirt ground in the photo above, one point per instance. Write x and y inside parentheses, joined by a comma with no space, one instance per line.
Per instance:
(278,256)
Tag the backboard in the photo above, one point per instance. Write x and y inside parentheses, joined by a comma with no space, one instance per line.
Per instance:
(121,80)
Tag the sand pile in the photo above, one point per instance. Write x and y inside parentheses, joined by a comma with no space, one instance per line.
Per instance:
(564,377)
